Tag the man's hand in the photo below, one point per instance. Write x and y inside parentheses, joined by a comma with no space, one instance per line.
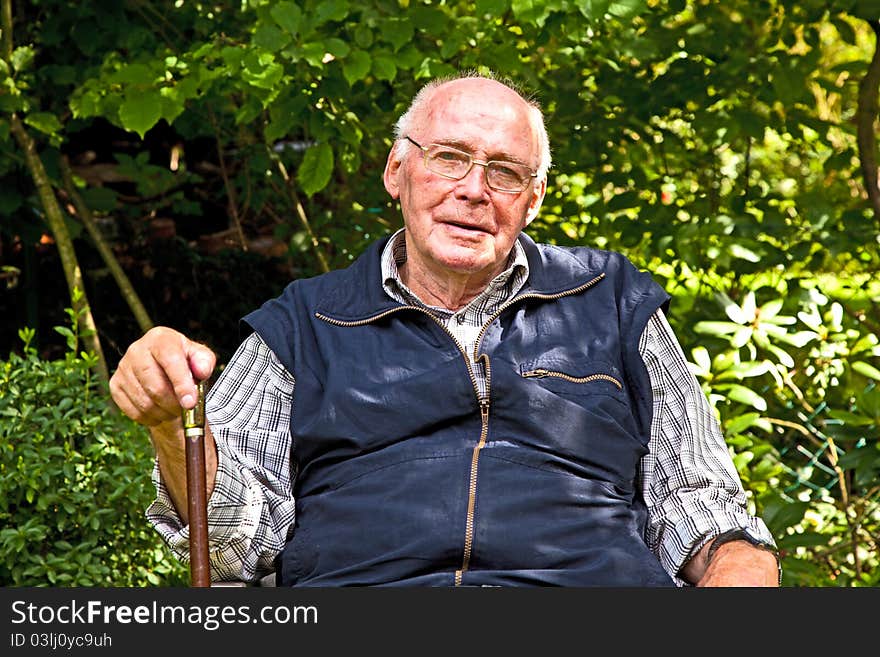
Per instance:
(157,376)
(738,563)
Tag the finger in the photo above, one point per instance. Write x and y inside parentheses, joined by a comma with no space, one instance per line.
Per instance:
(147,400)
(182,362)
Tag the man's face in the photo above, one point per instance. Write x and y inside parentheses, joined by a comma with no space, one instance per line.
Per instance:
(464,226)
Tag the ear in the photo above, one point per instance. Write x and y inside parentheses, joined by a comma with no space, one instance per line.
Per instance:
(392,171)
(537,199)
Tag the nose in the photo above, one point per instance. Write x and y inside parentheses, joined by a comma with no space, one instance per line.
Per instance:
(474,186)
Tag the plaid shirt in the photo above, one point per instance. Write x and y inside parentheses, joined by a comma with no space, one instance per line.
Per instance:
(688,480)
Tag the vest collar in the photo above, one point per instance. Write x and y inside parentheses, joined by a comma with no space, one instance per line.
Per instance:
(359,296)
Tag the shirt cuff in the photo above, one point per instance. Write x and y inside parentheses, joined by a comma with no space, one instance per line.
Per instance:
(233,515)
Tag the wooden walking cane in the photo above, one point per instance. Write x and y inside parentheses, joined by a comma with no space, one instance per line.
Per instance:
(197,491)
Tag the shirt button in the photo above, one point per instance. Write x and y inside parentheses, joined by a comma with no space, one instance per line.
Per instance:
(459,319)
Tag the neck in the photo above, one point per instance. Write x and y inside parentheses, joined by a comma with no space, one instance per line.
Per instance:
(451,291)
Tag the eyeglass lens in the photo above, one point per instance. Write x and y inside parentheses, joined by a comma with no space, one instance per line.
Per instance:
(455,164)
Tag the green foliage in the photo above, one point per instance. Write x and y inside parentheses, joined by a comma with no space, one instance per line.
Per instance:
(74,479)
(799,402)
(712,142)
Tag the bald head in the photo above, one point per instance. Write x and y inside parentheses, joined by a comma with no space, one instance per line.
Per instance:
(480,91)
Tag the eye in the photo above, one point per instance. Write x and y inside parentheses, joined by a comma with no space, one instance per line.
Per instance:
(508,171)
(448,156)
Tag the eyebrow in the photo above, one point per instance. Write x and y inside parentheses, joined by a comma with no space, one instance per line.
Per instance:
(467,148)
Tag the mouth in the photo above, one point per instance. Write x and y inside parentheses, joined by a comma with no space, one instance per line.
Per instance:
(471,228)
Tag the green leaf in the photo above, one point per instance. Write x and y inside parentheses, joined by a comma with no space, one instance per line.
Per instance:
(798,338)
(732,309)
(593,9)
(771,309)
(397,31)
(701,358)
(780,517)
(741,252)
(742,336)
(313,53)
(337,47)
(331,10)
(384,67)
(748,369)
(740,423)
(430,19)
(356,66)
(716,328)
(866,369)
(10,200)
(628,199)
(626,8)
(746,396)
(529,11)
(801,539)
(288,15)
(284,114)
(780,353)
(868,10)
(852,419)
(262,71)
(492,7)
(22,57)
(45,122)
(316,168)
(141,112)
(270,37)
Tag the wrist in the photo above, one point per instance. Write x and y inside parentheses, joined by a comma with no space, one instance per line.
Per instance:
(746,536)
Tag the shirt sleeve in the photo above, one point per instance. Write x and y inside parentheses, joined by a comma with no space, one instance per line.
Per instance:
(690,484)
(251,509)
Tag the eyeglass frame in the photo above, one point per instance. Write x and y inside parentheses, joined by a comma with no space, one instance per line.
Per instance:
(483,163)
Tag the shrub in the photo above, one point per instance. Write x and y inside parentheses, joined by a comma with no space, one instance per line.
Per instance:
(74,479)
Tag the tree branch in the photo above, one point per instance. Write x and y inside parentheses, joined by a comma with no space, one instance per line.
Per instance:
(54,215)
(866,115)
(122,281)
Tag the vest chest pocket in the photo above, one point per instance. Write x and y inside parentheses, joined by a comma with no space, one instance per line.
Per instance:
(572,378)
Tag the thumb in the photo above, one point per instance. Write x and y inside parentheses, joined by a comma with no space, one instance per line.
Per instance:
(201,361)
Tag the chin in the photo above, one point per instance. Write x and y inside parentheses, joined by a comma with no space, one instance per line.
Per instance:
(465,263)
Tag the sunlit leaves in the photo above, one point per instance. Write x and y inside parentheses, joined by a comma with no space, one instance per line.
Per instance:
(261,70)
(141,112)
(44,122)
(316,168)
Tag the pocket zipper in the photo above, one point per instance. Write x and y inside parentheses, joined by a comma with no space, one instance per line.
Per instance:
(541,373)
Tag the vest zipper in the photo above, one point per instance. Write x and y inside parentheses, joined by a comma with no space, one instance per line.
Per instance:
(540,373)
(484,412)
(472,491)
(484,420)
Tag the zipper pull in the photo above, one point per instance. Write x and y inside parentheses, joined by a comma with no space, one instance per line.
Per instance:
(535,374)
(484,410)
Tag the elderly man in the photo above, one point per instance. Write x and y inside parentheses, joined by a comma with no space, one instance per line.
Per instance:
(461,405)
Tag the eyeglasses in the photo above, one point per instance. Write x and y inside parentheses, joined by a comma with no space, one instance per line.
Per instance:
(502,176)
